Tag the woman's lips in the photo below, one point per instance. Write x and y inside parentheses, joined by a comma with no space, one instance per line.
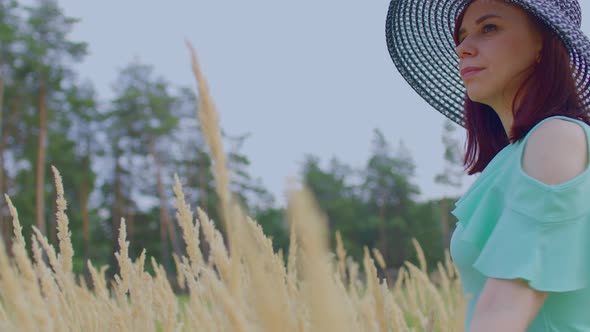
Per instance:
(468,73)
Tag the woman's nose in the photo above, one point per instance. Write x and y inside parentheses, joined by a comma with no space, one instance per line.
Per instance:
(465,48)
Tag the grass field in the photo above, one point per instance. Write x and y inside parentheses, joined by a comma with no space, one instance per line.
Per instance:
(244,286)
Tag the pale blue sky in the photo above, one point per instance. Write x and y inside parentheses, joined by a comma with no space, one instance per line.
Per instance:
(307,76)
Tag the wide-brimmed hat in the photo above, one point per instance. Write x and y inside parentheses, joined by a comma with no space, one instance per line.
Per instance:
(419,37)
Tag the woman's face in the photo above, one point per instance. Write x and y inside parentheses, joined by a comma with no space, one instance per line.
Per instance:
(501,39)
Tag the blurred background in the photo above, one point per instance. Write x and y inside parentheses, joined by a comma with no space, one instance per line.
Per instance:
(306,89)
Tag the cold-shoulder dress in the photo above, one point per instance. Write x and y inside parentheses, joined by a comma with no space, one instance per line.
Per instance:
(512,226)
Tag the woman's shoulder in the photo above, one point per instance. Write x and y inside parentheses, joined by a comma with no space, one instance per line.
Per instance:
(560,127)
(556,150)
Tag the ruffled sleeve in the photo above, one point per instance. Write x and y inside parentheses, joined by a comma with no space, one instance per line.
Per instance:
(528,230)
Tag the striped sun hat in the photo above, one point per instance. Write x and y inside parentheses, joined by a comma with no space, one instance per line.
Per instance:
(419,37)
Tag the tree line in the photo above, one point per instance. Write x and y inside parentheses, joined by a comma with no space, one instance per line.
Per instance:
(118,157)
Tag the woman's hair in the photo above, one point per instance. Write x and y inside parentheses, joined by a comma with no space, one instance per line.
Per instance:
(549,90)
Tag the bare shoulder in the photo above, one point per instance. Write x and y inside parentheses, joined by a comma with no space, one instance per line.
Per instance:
(557,151)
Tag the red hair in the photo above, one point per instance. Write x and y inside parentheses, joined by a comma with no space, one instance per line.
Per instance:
(549,90)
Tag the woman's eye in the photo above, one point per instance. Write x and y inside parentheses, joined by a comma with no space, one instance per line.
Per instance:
(489,27)
(486,28)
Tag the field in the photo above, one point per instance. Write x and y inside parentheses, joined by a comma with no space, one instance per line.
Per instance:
(243,285)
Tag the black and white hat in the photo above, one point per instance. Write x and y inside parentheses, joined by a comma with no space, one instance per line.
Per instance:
(419,37)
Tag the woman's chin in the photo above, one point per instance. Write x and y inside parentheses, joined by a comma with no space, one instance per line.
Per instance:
(476,95)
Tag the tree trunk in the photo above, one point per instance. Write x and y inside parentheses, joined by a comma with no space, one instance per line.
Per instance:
(1,132)
(167,230)
(83,197)
(444,209)
(84,194)
(6,224)
(40,176)
(4,215)
(383,233)
(3,219)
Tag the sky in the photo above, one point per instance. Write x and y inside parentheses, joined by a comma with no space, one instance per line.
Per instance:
(302,77)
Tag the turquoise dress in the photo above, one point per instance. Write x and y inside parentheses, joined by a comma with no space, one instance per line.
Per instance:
(512,226)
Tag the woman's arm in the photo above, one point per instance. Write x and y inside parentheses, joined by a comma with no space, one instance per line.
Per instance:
(506,305)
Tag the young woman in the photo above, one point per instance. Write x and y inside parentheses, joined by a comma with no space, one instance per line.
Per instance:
(515,74)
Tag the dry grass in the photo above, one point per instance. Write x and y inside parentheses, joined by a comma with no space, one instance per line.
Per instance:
(245,287)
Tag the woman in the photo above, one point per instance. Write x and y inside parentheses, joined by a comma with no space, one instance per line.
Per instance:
(515,74)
